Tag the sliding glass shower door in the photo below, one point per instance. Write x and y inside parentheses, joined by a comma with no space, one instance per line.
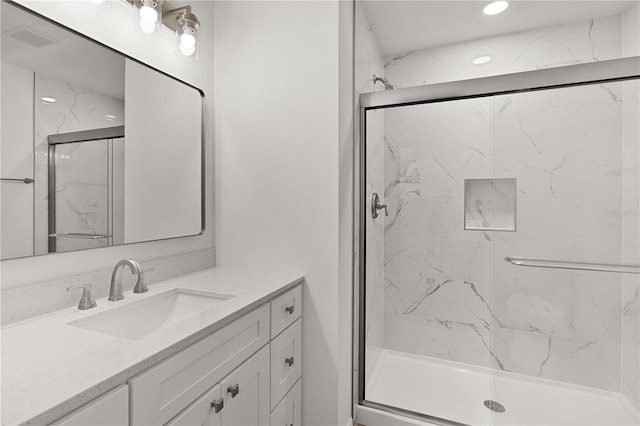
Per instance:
(501,255)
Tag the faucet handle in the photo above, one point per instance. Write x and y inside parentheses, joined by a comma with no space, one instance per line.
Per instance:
(86,301)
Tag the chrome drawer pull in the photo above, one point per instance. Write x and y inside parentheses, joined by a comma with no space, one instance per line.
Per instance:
(234,390)
(289,361)
(217,405)
(290,309)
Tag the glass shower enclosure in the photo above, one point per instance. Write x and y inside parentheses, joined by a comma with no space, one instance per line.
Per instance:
(499,247)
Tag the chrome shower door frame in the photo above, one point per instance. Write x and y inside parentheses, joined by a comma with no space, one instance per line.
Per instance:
(526,81)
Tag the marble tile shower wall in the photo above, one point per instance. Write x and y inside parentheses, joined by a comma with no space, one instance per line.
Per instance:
(452,287)
(448,292)
(369,61)
(75,109)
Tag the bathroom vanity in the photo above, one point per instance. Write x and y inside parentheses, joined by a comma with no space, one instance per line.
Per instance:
(228,352)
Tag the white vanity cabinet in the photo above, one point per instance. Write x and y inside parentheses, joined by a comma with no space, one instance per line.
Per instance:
(111,409)
(241,398)
(246,373)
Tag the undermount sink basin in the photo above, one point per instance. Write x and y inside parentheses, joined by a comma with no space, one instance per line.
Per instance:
(139,319)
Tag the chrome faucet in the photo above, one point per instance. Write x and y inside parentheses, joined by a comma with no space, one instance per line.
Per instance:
(115,291)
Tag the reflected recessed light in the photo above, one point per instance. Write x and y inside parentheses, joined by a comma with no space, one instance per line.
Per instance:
(109,117)
(47,99)
(481,60)
(496,7)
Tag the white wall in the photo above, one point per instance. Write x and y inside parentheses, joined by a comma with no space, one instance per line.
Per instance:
(279,161)
(114,27)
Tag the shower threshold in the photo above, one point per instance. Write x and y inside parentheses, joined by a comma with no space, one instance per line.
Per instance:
(481,396)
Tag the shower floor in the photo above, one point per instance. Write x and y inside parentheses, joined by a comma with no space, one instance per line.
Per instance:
(455,391)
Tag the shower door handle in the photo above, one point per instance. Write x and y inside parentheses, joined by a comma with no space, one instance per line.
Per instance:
(376,206)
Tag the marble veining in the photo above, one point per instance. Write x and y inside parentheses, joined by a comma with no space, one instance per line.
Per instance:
(470,304)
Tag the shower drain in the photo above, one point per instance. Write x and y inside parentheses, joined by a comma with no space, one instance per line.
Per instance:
(494,406)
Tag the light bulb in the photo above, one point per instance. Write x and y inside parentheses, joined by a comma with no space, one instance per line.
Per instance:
(148,15)
(147,27)
(187,40)
(187,50)
(495,7)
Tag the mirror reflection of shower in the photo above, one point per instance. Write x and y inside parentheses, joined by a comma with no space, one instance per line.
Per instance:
(387,85)
(86,189)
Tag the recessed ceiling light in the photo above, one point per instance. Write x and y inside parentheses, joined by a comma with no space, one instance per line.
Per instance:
(109,117)
(496,7)
(481,60)
(47,99)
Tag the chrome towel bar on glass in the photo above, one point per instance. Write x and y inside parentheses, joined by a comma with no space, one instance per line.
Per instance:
(79,235)
(625,268)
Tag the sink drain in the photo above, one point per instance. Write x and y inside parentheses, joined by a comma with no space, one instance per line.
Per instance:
(494,406)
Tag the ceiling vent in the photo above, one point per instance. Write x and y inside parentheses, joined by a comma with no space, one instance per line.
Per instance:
(30,36)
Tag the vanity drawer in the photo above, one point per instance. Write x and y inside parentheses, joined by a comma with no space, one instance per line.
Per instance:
(286,365)
(107,410)
(285,309)
(164,390)
(289,411)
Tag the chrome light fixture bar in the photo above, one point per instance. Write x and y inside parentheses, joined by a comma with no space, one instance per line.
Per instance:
(152,14)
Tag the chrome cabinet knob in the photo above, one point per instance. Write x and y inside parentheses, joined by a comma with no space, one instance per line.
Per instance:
(217,405)
(234,390)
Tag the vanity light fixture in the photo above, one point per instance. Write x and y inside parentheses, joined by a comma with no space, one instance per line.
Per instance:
(48,100)
(151,14)
(187,32)
(496,7)
(480,60)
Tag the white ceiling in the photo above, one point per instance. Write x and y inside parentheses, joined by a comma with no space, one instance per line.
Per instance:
(71,58)
(401,26)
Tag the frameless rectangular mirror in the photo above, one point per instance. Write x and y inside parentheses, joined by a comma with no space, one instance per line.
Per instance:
(96,149)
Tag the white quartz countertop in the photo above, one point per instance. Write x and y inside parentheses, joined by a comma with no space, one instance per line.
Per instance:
(50,368)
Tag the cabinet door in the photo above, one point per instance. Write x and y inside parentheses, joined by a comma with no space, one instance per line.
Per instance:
(205,411)
(108,410)
(246,393)
(289,411)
